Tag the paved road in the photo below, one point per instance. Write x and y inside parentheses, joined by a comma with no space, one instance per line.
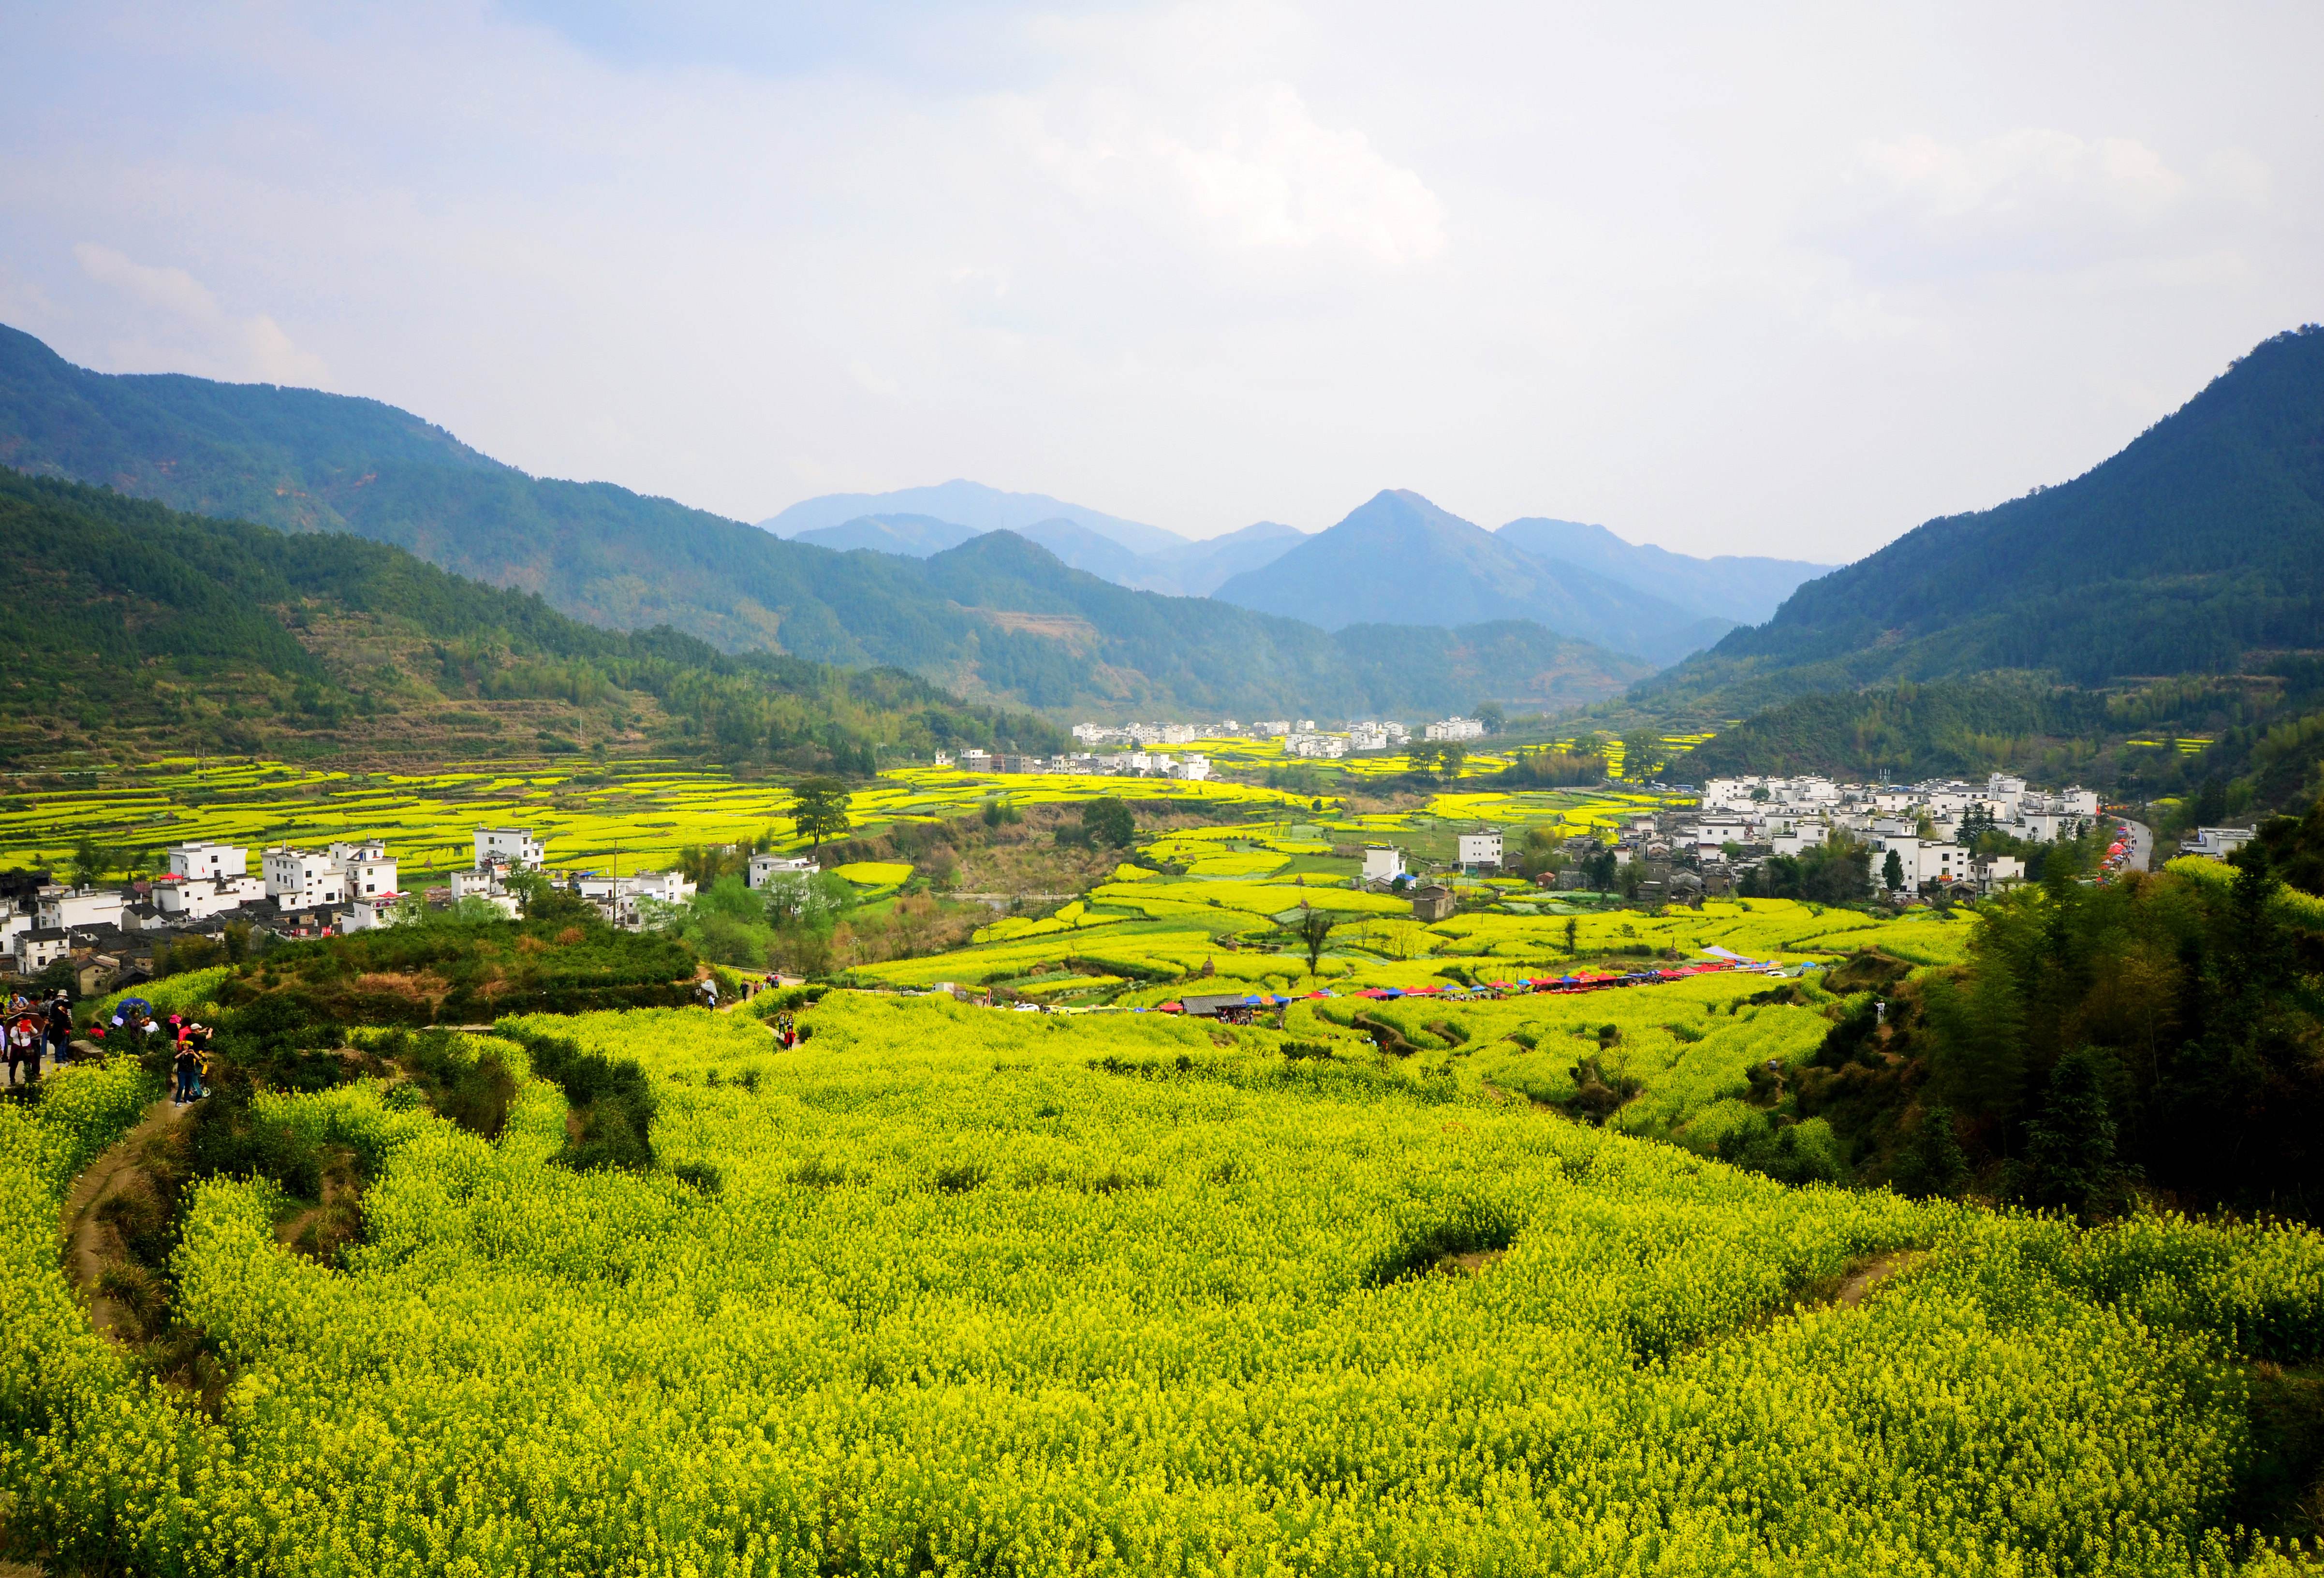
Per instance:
(2142,845)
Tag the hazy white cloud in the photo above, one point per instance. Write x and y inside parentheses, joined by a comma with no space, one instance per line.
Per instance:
(2035,199)
(1788,282)
(184,313)
(175,292)
(2032,175)
(1251,171)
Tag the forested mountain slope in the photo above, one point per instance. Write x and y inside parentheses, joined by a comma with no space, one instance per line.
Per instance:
(2199,548)
(136,625)
(1071,633)
(304,461)
(915,536)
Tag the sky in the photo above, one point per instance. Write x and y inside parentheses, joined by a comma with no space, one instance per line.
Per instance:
(1784,280)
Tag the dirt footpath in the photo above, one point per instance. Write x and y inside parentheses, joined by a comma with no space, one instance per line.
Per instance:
(83,1232)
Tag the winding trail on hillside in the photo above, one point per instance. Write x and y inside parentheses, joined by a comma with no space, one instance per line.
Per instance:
(1874,1272)
(81,1229)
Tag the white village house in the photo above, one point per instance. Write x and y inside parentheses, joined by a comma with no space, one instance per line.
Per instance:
(301,879)
(516,846)
(204,879)
(1481,849)
(766,868)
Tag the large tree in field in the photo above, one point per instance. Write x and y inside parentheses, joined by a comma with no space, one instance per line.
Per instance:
(819,808)
(1108,824)
(1312,928)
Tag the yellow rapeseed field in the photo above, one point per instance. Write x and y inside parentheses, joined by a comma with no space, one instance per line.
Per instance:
(956,1290)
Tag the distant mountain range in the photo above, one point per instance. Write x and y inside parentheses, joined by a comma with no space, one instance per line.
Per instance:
(971,505)
(1743,591)
(2199,547)
(1399,559)
(1188,568)
(1582,581)
(997,618)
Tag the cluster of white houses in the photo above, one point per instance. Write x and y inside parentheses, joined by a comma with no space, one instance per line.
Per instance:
(1931,829)
(1131,757)
(1740,823)
(343,887)
(1192,766)
(1184,734)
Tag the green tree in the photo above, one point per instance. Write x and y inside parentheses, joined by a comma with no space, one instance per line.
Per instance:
(1892,872)
(92,861)
(1451,758)
(1108,824)
(1572,936)
(794,899)
(1642,754)
(1489,714)
(704,863)
(1933,1163)
(1421,756)
(819,808)
(2069,1149)
(1602,868)
(545,901)
(1312,928)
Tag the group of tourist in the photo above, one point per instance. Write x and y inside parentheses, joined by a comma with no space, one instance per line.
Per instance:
(33,1027)
(190,1063)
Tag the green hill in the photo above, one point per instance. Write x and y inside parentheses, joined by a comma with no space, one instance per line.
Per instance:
(137,627)
(996,620)
(1062,637)
(1909,730)
(2198,549)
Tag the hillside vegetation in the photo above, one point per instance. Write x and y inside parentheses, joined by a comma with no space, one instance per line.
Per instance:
(2199,548)
(139,628)
(998,619)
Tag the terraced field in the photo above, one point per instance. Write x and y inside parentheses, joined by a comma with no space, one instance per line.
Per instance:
(641,812)
(952,1289)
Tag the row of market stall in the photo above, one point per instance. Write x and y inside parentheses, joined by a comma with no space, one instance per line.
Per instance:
(1232,1004)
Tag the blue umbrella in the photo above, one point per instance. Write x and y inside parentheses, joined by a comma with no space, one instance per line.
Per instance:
(139,1003)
